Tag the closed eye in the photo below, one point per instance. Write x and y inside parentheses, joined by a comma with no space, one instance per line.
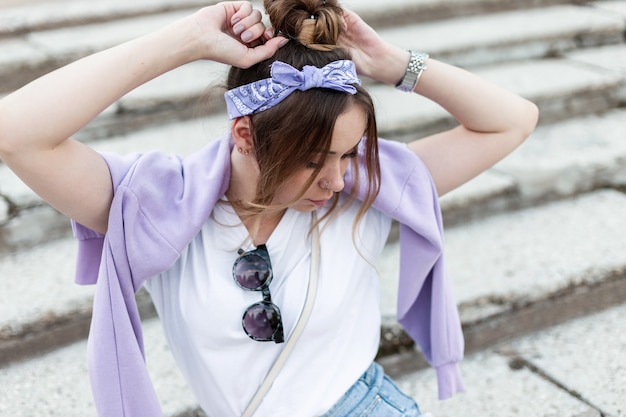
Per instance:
(352,154)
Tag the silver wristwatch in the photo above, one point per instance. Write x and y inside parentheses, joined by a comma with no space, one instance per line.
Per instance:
(417,65)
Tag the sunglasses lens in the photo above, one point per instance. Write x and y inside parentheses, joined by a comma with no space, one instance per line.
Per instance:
(252,272)
(262,322)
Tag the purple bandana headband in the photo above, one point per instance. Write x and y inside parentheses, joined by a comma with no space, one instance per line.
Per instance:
(285,79)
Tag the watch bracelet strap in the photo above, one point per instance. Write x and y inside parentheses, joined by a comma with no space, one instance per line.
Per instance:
(297,331)
(414,70)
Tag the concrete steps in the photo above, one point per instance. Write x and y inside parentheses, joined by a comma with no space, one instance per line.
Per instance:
(504,286)
(574,370)
(20,17)
(563,88)
(57,384)
(533,242)
(545,168)
(516,35)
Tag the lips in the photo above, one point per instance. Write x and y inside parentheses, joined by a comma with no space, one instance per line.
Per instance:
(319,203)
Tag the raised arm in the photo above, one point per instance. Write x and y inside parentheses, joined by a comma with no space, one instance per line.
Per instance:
(493,121)
(37,121)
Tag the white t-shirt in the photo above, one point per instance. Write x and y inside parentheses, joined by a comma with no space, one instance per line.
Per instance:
(201,308)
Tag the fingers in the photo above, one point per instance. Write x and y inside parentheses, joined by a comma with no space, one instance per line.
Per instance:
(262,52)
(243,10)
(350,19)
(255,41)
(247,23)
(268,34)
(347,18)
(247,16)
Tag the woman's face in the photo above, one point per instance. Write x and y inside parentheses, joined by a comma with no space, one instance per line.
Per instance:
(348,131)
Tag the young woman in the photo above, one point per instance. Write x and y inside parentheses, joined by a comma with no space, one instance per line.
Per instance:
(222,239)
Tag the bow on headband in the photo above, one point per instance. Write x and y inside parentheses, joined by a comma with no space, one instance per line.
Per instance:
(285,79)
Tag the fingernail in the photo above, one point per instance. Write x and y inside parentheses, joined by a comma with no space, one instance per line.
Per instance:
(269,33)
(238,29)
(235,20)
(246,36)
(283,42)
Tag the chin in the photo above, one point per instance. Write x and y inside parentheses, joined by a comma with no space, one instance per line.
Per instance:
(304,209)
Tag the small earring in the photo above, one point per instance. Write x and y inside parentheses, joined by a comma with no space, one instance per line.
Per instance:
(241,151)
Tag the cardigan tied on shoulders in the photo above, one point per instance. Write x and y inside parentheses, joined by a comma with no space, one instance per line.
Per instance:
(162,201)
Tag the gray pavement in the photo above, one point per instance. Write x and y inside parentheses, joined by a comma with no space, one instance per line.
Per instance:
(535,245)
(57,384)
(575,369)
(493,267)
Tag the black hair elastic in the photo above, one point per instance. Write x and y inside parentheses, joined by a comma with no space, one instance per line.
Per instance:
(288,36)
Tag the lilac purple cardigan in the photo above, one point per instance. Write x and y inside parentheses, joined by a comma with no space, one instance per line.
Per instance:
(162,201)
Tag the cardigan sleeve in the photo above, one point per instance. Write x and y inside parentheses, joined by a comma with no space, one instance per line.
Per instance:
(90,242)
(426,306)
(159,204)
(142,185)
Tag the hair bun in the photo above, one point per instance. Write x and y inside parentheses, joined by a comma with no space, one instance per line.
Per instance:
(315,24)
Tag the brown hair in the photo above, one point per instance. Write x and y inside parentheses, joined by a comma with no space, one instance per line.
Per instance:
(290,134)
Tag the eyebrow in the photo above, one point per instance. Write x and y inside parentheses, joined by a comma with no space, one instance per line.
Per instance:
(335,153)
(354,148)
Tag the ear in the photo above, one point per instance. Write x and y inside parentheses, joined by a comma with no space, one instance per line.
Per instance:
(241,131)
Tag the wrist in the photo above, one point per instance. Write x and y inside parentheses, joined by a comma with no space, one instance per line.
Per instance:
(183,39)
(398,66)
(386,65)
(415,67)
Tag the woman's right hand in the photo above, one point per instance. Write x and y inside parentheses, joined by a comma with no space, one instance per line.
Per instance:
(38,120)
(233,33)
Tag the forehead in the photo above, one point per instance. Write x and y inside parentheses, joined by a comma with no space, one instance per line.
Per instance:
(349,129)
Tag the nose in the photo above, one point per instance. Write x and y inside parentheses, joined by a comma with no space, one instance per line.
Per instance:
(331,178)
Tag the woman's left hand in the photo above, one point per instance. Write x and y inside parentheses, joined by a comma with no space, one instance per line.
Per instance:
(374,57)
(493,121)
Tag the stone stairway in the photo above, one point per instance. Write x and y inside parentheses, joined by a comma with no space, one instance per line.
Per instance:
(533,242)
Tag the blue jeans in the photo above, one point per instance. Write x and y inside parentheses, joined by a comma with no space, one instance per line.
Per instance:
(374,395)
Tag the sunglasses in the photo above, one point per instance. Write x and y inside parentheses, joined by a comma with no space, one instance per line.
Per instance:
(253,271)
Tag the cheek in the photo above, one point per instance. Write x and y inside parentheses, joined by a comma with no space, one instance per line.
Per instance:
(345,163)
(293,187)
